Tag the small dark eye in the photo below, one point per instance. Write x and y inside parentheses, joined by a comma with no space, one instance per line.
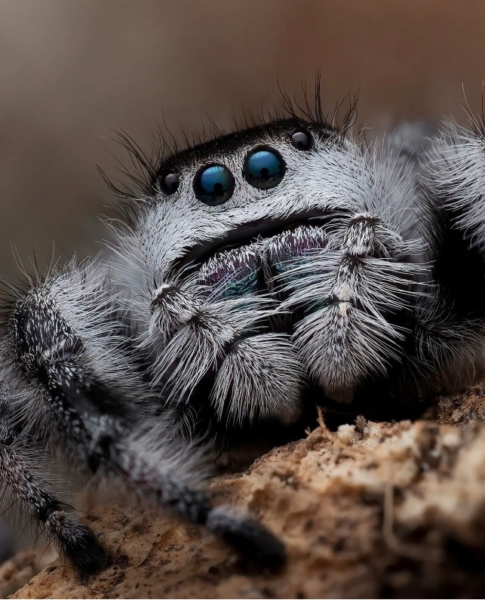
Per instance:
(169,182)
(214,184)
(264,168)
(302,139)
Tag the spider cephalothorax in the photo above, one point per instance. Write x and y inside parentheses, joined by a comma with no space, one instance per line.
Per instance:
(260,275)
(252,277)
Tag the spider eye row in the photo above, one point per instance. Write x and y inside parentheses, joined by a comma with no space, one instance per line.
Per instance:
(263,168)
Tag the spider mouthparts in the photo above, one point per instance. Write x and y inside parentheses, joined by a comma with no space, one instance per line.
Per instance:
(246,234)
(252,267)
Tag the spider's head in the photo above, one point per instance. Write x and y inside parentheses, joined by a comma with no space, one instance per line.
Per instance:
(216,203)
(290,213)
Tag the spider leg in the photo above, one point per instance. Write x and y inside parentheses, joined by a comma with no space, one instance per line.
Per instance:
(51,353)
(441,355)
(453,327)
(454,179)
(72,538)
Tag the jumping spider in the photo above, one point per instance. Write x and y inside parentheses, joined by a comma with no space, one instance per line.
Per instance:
(253,277)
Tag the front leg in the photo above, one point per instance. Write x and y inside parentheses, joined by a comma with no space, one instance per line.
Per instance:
(87,396)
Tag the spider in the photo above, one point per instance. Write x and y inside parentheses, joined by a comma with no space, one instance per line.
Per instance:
(253,277)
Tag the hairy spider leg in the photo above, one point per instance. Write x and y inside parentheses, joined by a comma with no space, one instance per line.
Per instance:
(52,358)
(73,539)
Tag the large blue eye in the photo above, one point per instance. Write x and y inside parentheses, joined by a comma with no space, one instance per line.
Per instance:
(214,184)
(264,168)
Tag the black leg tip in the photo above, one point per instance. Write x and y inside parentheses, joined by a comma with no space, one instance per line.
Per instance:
(77,543)
(88,560)
(251,539)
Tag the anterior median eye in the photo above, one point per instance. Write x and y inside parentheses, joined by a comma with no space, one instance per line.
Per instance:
(213,184)
(264,168)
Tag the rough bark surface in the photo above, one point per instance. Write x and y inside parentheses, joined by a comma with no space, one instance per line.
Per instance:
(371,510)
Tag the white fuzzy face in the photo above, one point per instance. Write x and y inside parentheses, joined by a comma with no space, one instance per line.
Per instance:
(268,258)
(173,224)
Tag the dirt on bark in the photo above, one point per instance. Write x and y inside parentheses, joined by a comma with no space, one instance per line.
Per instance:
(372,510)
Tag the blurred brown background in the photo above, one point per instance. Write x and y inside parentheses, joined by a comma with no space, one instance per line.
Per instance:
(71,71)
